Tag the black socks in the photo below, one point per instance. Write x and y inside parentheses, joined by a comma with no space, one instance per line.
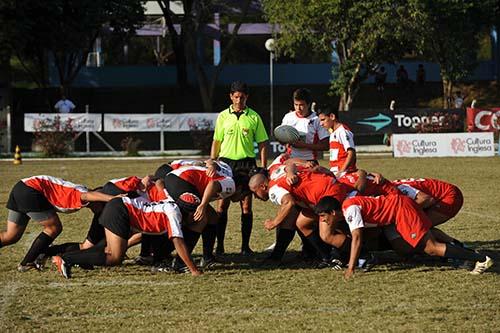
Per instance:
(283,239)
(209,235)
(246,230)
(62,248)
(40,245)
(221,231)
(455,252)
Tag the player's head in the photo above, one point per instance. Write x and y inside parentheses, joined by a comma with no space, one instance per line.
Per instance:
(328,210)
(239,95)
(162,171)
(327,115)
(302,100)
(188,202)
(259,185)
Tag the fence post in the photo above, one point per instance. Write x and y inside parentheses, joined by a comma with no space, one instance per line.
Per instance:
(87,133)
(9,131)
(162,137)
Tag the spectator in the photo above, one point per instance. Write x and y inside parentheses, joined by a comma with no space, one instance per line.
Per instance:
(420,75)
(380,77)
(459,100)
(402,77)
(64,105)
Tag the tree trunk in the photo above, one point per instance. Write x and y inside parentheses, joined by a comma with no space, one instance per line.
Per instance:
(447,92)
(5,79)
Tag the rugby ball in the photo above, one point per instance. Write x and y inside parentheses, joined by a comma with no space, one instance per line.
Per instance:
(286,134)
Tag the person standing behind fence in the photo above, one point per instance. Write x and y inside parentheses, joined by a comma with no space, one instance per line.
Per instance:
(236,130)
(64,105)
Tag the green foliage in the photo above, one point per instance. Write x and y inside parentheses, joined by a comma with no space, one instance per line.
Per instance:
(55,137)
(62,30)
(363,33)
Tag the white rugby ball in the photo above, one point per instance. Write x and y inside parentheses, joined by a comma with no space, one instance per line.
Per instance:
(286,134)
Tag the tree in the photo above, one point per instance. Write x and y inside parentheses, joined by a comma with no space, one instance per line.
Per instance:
(448,33)
(363,33)
(186,44)
(62,31)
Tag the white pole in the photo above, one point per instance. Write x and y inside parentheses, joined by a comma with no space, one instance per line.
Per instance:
(162,136)
(87,133)
(271,56)
(9,131)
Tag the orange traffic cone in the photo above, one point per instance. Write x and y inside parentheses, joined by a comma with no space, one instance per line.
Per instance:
(17,156)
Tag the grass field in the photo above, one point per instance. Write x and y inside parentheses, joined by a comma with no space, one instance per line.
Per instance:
(240,295)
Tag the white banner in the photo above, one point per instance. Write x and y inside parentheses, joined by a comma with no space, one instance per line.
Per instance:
(154,122)
(79,122)
(443,144)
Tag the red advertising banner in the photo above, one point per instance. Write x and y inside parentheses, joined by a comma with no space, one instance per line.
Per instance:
(479,120)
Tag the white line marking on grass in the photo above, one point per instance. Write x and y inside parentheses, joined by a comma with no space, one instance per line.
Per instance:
(111,284)
(494,218)
(9,292)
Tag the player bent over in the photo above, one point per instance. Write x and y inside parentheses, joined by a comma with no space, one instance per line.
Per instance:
(409,220)
(40,198)
(123,216)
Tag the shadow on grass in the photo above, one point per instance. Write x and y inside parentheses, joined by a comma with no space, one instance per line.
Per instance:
(385,261)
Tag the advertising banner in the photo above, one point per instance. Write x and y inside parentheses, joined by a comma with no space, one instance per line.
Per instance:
(79,122)
(154,122)
(443,144)
(376,121)
(479,120)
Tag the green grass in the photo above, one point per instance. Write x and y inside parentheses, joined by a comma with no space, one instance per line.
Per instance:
(240,296)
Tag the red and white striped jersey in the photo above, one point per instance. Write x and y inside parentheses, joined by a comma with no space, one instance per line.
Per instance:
(341,140)
(63,195)
(372,189)
(277,162)
(154,217)
(127,184)
(437,189)
(224,168)
(155,194)
(310,132)
(310,188)
(197,176)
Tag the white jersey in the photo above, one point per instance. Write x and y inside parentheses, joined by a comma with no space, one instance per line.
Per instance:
(310,132)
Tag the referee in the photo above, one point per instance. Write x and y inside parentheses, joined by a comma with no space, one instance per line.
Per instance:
(236,130)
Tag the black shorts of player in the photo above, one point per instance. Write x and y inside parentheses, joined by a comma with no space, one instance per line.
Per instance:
(112,189)
(176,186)
(115,218)
(96,231)
(25,199)
(242,166)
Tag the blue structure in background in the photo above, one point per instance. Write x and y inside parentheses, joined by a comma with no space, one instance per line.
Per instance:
(254,74)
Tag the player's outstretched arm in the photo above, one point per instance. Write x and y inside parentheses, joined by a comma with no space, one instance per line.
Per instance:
(182,251)
(287,204)
(98,196)
(357,237)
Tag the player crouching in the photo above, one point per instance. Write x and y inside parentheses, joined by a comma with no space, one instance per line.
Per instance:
(409,221)
(124,216)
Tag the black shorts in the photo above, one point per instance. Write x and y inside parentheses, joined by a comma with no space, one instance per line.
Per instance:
(240,166)
(176,186)
(112,189)
(25,199)
(115,218)
(96,231)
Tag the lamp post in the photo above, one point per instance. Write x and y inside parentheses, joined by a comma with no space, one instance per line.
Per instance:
(270,47)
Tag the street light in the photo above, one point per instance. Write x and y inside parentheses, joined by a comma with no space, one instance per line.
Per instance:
(271,47)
